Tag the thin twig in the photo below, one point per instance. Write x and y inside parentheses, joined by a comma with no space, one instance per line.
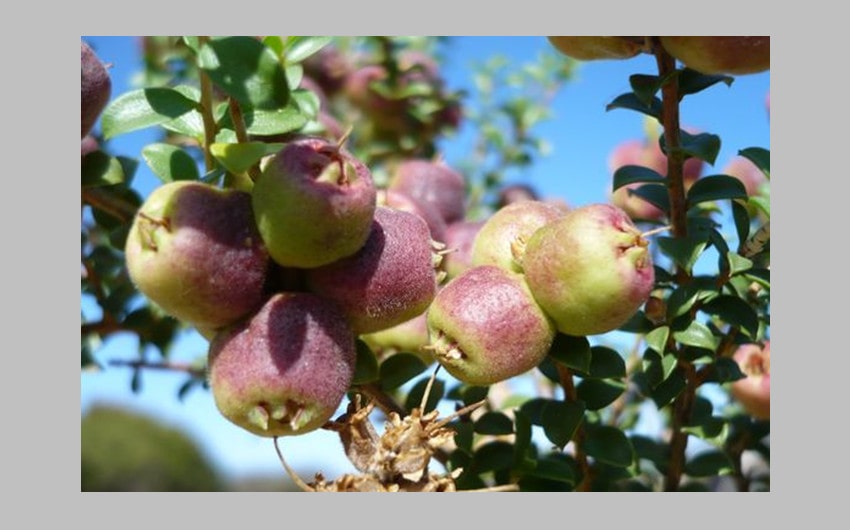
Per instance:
(570,394)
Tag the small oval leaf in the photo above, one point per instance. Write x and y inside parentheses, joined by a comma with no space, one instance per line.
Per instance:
(170,162)
(399,369)
(143,108)
(697,335)
(599,393)
(610,446)
(560,420)
(716,188)
(573,352)
(495,423)
(366,367)
(631,174)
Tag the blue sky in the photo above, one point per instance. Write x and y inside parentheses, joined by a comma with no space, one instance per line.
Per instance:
(582,135)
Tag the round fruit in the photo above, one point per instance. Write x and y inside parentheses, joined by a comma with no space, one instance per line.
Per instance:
(313,203)
(486,327)
(285,370)
(753,392)
(433,183)
(460,236)
(194,250)
(721,55)
(590,269)
(96,87)
(593,48)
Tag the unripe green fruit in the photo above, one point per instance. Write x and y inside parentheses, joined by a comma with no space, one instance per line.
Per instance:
(721,55)
(594,48)
(590,270)
(486,327)
(411,336)
(502,239)
(96,87)
(285,370)
(194,250)
(313,203)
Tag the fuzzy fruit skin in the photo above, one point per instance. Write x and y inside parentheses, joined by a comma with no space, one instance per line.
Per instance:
(313,203)
(460,236)
(96,87)
(648,154)
(429,213)
(590,270)
(486,327)
(194,250)
(296,352)
(721,55)
(753,392)
(594,48)
(391,279)
(433,183)
(502,239)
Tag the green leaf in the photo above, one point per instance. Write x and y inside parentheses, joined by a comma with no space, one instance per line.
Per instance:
(657,339)
(495,423)
(649,449)
(761,203)
(170,162)
(522,440)
(610,446)
(704,146)
(143,108)
(655,194)
(630,101)
(493,456)
(238,158)
(294,75)
(548,368)
(742,221)
(709,464)
(573,352)
(606,363)
(738,263)
(733,311)
(697,335)
(274,43)
(716,188)
(723,370)
(299,48)
(667,390)
(246,70)
(414,397)
(533,409)
(470,394)
(271,122)
(684,251)
(758,156)
(713,430)
(100,169)
(644,87)
(599,393)
(191,124)
(631,174)
(556,466)
(366,369)
(692,82)
(399,369)
(560,419)
(681,301)
(307,101)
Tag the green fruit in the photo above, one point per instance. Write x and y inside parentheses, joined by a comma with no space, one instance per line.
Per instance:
(313,203)
(590,270)
(285,370)
(486,327)
(411,336)
(502,239)
(194,250)
(721,55)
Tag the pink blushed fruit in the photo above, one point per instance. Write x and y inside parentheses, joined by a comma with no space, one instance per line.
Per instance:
(486,327)
(590,270)
(194,250)
(96,87)
(460,236)
(285,370)
(753,392)
(434,183)
(314,203)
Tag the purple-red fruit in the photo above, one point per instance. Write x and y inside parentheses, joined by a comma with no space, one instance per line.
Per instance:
(460,236)
(391,279)
(96,87)
(194,250)
(590,270)
(314,203)
(285,370)
(400,201)
(502,239)
(432,182)
(486,327)
(514,193)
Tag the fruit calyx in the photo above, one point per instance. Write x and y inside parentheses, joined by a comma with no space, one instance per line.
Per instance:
(445,347)
(289,413)
(331,166)
(148,229)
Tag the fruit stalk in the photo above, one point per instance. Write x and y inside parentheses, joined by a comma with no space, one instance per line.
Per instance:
(571,395)
(206,113)
(241,133)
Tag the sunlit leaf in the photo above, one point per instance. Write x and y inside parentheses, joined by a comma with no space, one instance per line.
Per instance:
(239,157)
(299,48)
(716,188)
(698,335)
(170,162)
(100,169)
(143,108)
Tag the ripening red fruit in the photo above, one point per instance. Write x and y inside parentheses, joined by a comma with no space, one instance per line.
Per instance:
(753,392)
(96,87)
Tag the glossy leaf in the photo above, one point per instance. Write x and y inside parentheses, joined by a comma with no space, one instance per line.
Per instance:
(610,446)
(684,251)
(709,464)
(630,101)
(100,169)
(366,367)
(557,467)
(238,158)
(657,339)
(414,397)
(713,430)
(272,122)
(644,87)
(606,363)
(723,370)
(649,449)
(170,162)
(470,394)
(492,456)
(399,369)
(655,194)
(667,390)
(495,423)
(142,108)
(297,49)
(599,393)
(738,263)
(631,174)
(692,82)
(716,188)
(733,311)
(573,352)
(698,335)
(758,156)
(307,101)
(742,221)
(560,419)
(704,146)
(522,441)
(246,70)
(533,409)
